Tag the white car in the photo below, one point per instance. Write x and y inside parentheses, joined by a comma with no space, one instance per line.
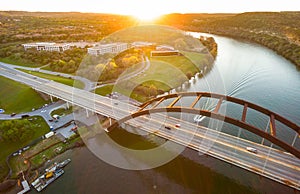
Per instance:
(250,149)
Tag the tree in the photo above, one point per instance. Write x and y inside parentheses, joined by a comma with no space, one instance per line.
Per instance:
(16,130)
(152,90)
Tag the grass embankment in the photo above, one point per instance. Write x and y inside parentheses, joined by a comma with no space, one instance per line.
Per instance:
(39,129)
(19,62)
(63,80)
(14,97)
(104,90)
(62,111)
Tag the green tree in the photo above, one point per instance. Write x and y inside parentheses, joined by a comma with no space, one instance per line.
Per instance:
(15,130)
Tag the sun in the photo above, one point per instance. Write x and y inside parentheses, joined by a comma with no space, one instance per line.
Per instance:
(147,15)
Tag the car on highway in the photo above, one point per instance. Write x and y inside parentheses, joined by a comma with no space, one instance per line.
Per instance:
(250,149)
(177,125)
(167,127)
(12,114)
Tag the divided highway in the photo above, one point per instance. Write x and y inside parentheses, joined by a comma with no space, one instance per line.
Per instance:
(274,164)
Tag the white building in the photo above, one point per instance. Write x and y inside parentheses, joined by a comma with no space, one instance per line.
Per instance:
(108,48)
(164,50)
(140,44)
(47,46)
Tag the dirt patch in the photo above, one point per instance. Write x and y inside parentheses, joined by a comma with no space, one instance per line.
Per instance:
(6,185)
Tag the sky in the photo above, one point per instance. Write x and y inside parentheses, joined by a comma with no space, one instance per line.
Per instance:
(151,7)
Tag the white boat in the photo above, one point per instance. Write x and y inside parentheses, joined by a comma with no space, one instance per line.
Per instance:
(64,163)
(198,118)
(50,175)
(43,181)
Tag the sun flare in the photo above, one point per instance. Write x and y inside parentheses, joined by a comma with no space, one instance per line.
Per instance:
(146,16)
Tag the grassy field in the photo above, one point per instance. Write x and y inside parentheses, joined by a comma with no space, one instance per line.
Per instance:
(183,63)
(198,59)
(54,150)
(103,91)
(7,148)
(63,80)
(159,72)
(14,97)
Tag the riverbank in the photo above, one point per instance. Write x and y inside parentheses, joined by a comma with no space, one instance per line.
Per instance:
(278,31)
(88,174)
(281,46)
(32,161)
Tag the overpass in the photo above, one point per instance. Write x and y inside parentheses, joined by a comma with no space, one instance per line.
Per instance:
(275,164)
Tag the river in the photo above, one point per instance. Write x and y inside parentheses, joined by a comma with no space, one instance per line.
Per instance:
(248,71)
(258,75)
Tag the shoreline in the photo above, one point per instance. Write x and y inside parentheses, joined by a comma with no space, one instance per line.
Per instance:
(244,38)
(58,158)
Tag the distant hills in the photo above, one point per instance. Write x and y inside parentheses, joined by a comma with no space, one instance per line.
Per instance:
(280,31)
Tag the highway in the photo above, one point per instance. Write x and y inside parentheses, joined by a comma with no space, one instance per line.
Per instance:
(274,164)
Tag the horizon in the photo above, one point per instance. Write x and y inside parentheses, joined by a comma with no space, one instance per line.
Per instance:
(146,9)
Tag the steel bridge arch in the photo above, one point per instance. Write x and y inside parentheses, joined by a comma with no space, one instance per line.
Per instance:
(216,115)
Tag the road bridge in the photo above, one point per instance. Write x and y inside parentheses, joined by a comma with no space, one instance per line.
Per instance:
(275,164)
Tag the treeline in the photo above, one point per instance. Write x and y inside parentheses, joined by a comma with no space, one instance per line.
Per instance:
(279,31)
(210,44)
(67,61)
(95,69)
(281,46)
(56,27)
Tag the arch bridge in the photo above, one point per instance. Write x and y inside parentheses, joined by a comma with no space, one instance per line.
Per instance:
(151,106)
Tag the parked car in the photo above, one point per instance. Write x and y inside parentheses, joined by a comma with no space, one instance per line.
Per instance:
(26,148)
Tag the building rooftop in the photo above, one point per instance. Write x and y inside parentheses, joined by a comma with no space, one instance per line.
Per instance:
(46,44)
(99,46)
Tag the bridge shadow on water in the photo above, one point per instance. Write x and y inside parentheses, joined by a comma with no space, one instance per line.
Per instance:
(183,170)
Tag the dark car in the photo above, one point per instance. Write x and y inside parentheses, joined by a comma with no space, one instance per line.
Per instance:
(24,116)
(167,127)
(12,114)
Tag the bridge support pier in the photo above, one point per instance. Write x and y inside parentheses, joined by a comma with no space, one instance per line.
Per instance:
(68,106)
(51,98)
(110,122)
(87,113)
